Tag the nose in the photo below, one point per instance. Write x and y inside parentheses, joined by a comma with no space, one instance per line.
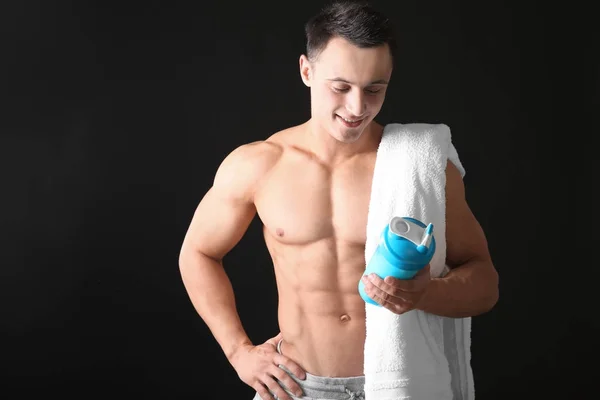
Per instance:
(355,103)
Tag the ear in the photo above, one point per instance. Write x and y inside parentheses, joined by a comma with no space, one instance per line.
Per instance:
(306,72)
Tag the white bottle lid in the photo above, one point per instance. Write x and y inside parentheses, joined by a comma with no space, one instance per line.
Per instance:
(407,229)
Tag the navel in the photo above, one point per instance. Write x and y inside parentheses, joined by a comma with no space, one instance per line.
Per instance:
(344,318)
(279,232)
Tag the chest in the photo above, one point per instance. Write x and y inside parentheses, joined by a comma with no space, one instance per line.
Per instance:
(302,201)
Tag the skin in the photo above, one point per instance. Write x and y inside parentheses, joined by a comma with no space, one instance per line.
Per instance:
(310,186)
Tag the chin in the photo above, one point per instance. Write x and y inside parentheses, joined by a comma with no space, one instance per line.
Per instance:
(348,135)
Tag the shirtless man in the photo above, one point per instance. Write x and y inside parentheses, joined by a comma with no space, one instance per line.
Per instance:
(310,186)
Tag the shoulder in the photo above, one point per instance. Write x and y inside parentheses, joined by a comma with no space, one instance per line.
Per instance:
(256,156)
(242,170)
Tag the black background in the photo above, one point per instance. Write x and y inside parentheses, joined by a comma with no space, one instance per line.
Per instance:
(115,116)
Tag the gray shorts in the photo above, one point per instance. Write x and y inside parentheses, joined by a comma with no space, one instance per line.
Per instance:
(326,388)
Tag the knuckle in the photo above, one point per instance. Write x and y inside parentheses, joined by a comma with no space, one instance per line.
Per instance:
(295,388)
(277,372)
(266,379)
(290,384)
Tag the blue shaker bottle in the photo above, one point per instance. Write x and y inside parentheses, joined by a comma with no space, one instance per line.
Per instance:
(406,245)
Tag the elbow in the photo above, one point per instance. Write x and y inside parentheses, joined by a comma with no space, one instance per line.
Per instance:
(188,258)
(192,262)
(188,253)
(492,290)
(491,301)
(184,265)
(183,260)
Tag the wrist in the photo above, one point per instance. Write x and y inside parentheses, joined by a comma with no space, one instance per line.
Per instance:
(430,294)
(233,350)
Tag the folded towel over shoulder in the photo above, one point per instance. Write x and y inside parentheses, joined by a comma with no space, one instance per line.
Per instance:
(416,355)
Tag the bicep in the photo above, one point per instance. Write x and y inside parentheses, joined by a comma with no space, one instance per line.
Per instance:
(223,215)
(465,238)
(218,224)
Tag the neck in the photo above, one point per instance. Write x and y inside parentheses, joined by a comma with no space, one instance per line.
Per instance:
(332,152)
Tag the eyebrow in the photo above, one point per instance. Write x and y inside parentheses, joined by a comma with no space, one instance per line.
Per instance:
(377,82)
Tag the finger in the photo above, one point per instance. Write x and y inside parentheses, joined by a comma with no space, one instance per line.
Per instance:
(275,388)
(396,308)
(414,284)
(389,285)
(273,341)
(375,285)
(287,380)
(262,391)
(404,285)
(392,301)
(294,368)
(375,292)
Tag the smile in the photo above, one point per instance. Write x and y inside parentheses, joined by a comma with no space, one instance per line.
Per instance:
(351,120)
(350,123)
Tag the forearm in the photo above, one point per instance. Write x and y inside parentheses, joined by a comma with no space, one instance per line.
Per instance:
(212,296)
(467,290)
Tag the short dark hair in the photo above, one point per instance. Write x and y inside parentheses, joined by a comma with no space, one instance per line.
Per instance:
(355,21)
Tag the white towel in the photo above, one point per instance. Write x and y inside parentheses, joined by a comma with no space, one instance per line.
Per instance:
(416,355)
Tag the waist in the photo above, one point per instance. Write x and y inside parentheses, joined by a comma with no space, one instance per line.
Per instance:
(326,350)
(328,387)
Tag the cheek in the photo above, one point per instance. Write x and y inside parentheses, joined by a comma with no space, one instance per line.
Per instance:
(329,101)
(332,98)
(374,103)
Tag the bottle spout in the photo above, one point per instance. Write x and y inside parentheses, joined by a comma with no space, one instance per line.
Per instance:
(423,247)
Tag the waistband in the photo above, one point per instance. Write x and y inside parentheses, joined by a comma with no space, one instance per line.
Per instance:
(328,388)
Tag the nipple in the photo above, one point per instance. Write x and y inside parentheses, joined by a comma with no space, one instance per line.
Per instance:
(345,318)
(279,232)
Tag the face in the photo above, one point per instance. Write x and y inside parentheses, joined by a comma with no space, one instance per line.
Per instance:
(348,86)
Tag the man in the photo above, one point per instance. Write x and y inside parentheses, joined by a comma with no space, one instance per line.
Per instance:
(310,186)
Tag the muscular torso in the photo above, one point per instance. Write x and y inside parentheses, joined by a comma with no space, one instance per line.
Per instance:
(315,218)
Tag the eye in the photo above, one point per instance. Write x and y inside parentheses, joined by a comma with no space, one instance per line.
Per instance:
(340,89)
(373,90)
